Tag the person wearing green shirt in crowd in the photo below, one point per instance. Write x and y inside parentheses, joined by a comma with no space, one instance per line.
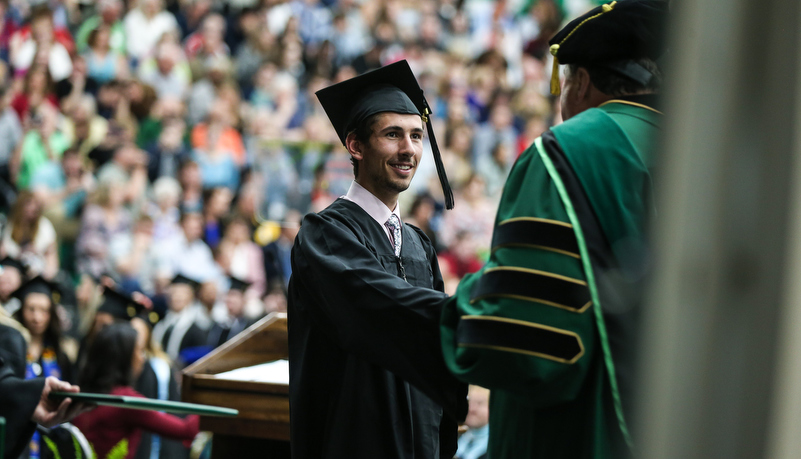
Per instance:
(42,142)
(108,13)
(549,323)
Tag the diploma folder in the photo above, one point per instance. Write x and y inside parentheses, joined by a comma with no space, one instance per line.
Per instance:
(142,403)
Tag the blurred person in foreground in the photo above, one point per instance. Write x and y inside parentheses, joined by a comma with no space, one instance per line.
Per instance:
(366,375)
(549,324)
(116,358)
(24,403)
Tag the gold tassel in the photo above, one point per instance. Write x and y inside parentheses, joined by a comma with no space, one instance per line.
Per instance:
(556,87)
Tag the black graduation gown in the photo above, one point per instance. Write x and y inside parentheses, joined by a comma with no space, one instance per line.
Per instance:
(367,378)
(18,399)
(193,337)
(12,341)
(222,332)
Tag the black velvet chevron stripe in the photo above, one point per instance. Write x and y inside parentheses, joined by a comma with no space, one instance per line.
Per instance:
(534,287)
(533,339)
(542,233)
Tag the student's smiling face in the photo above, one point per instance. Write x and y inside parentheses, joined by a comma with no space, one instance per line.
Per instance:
(389,159)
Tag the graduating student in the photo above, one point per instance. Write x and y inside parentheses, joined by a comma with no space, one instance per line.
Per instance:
(549,324)
(367,378)
(186,323)
(236,322)
(39,299)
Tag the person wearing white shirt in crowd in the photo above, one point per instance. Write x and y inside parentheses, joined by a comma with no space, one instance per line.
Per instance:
(42,45)
(166,73)
(473,443)
(186,323)
(145,25)
(187,253)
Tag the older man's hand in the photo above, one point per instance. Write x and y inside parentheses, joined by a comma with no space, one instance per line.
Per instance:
(53,412)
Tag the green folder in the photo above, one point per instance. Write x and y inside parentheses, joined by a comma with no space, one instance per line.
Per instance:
(142,403)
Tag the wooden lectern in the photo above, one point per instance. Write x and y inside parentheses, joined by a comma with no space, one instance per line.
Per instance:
(262,427)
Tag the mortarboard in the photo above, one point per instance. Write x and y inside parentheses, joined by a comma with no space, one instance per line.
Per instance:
(612,36)
(392,88)
(39,285)
(13,263)
(120,305)
(181,279)
(149,316)
(238,284)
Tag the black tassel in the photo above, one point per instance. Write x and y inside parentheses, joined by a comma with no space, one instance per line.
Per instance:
(443,178)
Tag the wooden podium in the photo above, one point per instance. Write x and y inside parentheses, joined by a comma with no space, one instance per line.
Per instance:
(262,427)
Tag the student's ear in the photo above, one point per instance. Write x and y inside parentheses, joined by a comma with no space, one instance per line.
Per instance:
(354,147)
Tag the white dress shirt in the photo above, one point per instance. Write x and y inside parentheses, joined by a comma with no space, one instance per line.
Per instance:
(373,206)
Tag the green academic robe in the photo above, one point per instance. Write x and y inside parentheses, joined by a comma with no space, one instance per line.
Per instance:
(548,323)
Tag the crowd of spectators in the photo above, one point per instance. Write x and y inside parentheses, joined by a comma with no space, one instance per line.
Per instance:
(143,139)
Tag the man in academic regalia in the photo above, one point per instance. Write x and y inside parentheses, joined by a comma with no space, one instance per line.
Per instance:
(549,323)
(186,323)
(367,378)
(236,321)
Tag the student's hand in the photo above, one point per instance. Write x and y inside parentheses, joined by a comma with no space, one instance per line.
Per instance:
(53,412)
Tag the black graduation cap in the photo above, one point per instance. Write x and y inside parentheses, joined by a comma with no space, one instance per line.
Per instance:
(238,284)
(612,36)
(39,285)
(150,317)
(181,279)
(13,263)
(119,304)
(392,88)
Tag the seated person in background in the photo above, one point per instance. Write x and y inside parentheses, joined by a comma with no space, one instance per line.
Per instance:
(277,260)
(236,321)
(44,140)
(42,41)
(187,253)
(116,358)
(30,237)
(473,443)
(275,300)
(134,258)
(128,168)
(186,323)
(62,188)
